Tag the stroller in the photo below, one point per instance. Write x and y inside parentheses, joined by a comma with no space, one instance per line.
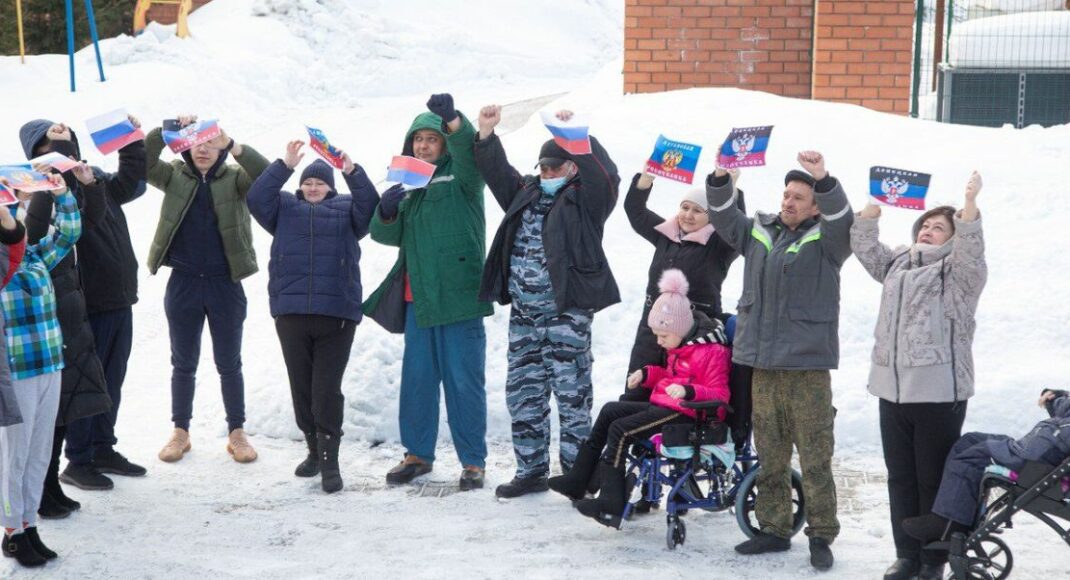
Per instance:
(1038,489)
(706,465)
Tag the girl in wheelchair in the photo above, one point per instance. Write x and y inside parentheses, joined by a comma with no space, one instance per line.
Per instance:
(697,369)
(957,502)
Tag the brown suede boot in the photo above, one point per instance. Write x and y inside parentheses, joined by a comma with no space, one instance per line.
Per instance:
(176,447)
(239,447)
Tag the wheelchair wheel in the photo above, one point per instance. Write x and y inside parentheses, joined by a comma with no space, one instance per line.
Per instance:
(988,559)
(676,534)
(747,495)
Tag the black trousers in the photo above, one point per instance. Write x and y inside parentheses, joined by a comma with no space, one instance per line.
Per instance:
(622,422)
(316,350)
(917,438)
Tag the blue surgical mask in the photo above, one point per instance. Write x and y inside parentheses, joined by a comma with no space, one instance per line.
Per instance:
(553,184)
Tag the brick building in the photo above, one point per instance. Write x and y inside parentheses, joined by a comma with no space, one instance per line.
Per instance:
(168,13)
(845,51)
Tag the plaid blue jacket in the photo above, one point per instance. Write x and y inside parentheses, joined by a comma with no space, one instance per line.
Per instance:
(34,339)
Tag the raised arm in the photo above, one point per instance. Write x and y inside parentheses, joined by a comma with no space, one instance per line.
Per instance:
(836,215)
(365,198)
(726,215)
(642,218)
(128,183)
(264,195)
(969,270)
(158,173)
(504,180)
(600,180)
(68,221)
(874,256)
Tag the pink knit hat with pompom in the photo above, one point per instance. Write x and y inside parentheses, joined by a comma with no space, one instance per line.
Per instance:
(672,310)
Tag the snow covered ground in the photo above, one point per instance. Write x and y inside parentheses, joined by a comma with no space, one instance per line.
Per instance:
(361,71)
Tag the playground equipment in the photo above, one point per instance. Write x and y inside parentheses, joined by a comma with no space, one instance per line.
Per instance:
(70,36)
(184,8)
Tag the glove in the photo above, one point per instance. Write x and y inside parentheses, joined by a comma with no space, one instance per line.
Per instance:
(442,105)
(389,202)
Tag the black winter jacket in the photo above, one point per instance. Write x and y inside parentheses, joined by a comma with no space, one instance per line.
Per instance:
(572,235)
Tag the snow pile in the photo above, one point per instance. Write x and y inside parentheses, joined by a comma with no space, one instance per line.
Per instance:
(1024,40)
(1018,5)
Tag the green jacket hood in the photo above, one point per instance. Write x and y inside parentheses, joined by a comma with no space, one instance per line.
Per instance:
(427,120)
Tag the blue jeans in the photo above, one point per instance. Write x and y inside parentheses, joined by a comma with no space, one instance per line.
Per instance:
(113,332)
(189,300)
(452,355)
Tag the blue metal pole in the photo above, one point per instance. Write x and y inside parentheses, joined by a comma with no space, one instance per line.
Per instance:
(70,40)
(93,35)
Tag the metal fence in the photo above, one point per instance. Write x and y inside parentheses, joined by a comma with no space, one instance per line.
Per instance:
(991,62)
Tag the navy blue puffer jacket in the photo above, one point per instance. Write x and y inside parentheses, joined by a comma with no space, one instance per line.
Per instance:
(315,256)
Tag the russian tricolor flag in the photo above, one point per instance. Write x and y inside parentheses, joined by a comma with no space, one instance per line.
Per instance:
(410,171)
(113,131)
(571,135)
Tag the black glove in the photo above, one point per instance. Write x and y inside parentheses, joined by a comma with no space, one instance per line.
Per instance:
(389,202)
(442,105)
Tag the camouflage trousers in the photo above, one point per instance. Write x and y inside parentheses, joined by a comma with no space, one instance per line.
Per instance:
(794,408)
(548,353)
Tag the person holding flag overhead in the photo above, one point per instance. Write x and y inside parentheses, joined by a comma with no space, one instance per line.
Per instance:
(687,242)
(205,236)
(430,294)
(314,289)
(547,260)
(787,330)
(97,283)
(922,367)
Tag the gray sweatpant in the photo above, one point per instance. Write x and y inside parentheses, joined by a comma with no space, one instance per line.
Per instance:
(26,448)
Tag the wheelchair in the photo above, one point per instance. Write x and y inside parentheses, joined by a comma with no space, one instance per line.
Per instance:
(703,466)
(1039,489)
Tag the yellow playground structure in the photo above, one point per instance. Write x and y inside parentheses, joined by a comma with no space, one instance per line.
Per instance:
(184,8)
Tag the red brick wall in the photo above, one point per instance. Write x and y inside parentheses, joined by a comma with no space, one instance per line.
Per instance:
(754,44)
(168,13)
(861,50)
(863,53)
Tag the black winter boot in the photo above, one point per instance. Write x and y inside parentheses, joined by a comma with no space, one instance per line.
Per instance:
(18,546)
(608,507)
(50,508)
(327,449)
(574,484)
(902,569)
(38,545)
(311,465)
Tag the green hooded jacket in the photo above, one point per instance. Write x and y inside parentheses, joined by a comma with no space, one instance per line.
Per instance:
(179,184)
(441,234)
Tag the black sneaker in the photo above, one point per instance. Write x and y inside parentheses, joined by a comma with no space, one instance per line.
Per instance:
(409,469)
(38,545)
(51,508)
(111,461)
(762,543)
(471,478)
(522,486)
(85,477)
(18,547)
(820,554)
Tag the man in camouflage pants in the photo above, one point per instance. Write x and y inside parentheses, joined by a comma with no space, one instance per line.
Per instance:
(787,331)
(547,261)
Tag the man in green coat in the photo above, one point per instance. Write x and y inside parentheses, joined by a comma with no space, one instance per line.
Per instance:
(205,236)
(431,294)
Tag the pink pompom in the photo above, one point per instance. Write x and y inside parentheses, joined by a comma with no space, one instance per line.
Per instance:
(673,282)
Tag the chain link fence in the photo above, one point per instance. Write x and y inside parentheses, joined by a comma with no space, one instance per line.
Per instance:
(992,62)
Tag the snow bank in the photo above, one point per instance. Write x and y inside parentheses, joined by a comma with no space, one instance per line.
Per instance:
(1024,40)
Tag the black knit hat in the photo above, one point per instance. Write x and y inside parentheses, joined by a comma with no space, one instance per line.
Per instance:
(799,175)
(552,154)
(320,170)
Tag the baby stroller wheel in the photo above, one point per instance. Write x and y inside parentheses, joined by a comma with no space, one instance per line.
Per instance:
(987,559)
(676,534)
(747,496)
